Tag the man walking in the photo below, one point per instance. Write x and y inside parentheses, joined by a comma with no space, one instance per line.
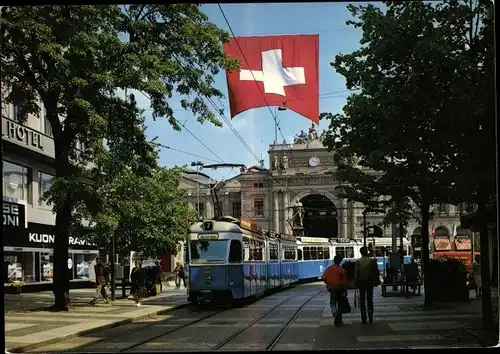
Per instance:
(365,276)
(100,275)
(335,279)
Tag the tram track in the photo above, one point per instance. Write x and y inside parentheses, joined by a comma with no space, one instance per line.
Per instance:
(153,330)
(277,338)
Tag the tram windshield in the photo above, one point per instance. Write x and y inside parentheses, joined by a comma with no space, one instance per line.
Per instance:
(208,251)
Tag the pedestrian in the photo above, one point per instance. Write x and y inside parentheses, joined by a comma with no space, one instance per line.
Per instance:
(179,275)
(476,273)
(137,283)
(100,274)
(366,276)
(335,278)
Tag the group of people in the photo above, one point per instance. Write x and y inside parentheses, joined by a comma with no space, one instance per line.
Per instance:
(137,281)
(366,277)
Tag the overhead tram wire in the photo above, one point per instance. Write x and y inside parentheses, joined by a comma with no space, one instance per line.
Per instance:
(219,112)
(192,134)
(184,152)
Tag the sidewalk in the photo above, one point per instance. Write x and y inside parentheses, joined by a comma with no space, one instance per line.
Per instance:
(404,323)
(27,326)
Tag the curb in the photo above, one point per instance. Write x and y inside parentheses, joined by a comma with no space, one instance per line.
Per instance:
(26,348)
(482,339)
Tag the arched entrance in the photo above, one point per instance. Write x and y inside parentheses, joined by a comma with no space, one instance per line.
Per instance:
(320,216)
(441,231)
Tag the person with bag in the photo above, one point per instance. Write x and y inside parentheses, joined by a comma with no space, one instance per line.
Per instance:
(335,279)
(366,276)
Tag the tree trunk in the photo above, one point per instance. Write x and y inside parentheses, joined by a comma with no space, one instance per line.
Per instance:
(63,223)
(485,268)
(425,251)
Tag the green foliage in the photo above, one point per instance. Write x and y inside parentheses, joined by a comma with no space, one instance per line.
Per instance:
(145,213)
(77,61)
(420,69)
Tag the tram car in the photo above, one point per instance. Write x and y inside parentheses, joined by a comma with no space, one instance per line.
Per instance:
(314,255)
(233,259)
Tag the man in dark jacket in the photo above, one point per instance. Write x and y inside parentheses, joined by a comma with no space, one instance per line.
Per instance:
(137,283)
(100,277)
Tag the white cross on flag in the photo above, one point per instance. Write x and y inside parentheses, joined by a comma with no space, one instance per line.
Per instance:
(275,71)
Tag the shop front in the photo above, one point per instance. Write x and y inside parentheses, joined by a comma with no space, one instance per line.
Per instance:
(28,256)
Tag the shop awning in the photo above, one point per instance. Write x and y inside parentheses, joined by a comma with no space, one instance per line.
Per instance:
(442,244)
(463,244)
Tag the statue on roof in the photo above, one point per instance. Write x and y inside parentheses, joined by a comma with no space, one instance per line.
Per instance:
(313,134)
(300,138)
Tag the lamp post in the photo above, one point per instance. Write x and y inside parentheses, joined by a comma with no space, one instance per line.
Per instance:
(197,164)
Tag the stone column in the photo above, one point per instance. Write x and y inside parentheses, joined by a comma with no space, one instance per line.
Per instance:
(209,210)
(343,220)
(276,213)
(285,213)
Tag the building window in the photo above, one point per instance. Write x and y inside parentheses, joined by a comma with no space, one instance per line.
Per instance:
(200,207)
(15,115)
(236,209)
(16,181)
(258,207)
(47,128)
(47,266)
(82,263)
(44,183)
(442,208)
(19,266)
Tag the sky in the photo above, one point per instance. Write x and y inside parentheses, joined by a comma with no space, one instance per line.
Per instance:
(257,126)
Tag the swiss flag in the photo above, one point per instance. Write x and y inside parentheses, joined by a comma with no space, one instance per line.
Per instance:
(275,71)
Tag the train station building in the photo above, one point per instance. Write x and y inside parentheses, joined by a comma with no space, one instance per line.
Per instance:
(297,195)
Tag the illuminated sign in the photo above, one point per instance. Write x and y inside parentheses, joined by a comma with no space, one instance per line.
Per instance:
(343,240)
(208,237)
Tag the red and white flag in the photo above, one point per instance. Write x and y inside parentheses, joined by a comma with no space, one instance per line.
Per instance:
(275,71)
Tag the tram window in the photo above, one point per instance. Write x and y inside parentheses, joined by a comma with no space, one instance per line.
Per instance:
(299,254)
(293,253)
(286,252)
(326,251)
(349,252)
(340,251)
(314,253)
(320,253)
(258,254)
(235,252)
(273,251)
(307,253)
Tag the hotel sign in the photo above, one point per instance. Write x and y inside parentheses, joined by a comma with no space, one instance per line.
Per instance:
(25,135)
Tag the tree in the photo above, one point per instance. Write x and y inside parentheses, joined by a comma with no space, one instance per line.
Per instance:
(145,214)
(406,122)
(75,59)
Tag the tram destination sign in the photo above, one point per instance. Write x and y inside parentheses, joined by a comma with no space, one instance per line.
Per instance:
(208,236)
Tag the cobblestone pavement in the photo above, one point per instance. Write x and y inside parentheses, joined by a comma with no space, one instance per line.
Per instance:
(295,319)
(27,326)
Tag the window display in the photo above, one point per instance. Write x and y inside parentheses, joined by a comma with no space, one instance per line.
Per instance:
(82,265)
(19,266)
(47,266)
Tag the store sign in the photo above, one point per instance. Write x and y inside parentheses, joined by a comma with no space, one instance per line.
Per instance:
(14,215)
(25,135)
(50,238)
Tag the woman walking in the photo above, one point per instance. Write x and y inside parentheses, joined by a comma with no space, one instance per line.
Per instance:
(137,283)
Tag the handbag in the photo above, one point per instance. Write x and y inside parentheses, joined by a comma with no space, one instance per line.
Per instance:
(344,306)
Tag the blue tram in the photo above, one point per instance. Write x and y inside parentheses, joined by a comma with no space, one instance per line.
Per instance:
(314,256)
(231,259)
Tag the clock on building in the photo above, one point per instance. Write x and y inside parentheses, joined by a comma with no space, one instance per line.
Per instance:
(314,161)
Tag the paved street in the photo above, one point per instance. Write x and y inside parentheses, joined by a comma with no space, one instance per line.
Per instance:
(294,319)
(27,325)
